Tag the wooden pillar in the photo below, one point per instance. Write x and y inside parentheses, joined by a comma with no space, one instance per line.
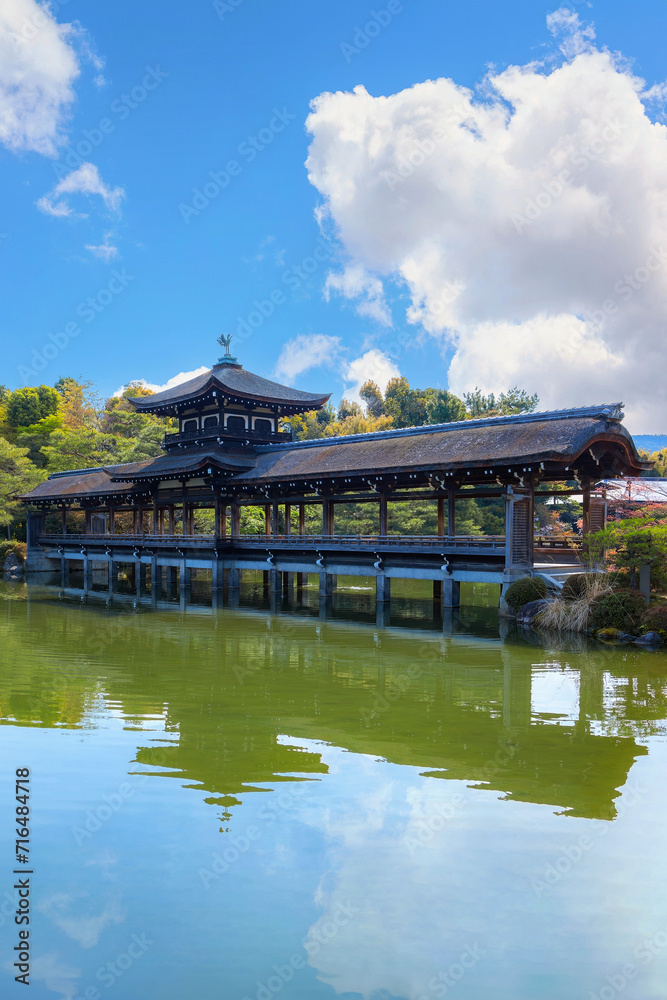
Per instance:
(288,518)
(63,519)
(451,513)
(112,519)
(223,520)
(186,515)
(327,517)
(156,518)
(275,522)
(161,526)
(267,518)
(586,525)
(86,521)
(172,519)
(236,521)
(140,519)
(441,517)
(383,514)
(216,522)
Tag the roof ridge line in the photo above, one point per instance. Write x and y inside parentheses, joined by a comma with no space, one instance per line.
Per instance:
(612,411)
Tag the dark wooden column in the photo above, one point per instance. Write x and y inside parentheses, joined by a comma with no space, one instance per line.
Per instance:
(63,519)
(86,521)
(223,520)
(327,517)
(236,520)
(288,518)
(172,519)
(112,519)
(451,512)
(275,522)
(156,518)
(216,515)
(140,519)
(441,516)
(586,521)
(267,518)
(383,514)
(161,528)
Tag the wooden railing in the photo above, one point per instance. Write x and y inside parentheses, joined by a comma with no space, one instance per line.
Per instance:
(218,431)
(492,543)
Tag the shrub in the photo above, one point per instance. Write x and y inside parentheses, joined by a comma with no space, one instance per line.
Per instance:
(622,609)
(654,619)
(19,549)
(528,588)
(578,585)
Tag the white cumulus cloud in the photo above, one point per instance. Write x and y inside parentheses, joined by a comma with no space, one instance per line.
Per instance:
(373,365)
(527,221)
(176,380)
(304,352)
(84,180)
(38,66)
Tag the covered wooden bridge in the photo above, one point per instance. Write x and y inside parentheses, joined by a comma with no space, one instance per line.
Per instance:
(231,452)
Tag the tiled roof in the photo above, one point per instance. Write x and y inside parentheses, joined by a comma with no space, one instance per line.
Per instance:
(559,437)
(232,380)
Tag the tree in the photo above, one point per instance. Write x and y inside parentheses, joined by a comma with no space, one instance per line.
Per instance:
(517,401)
(347,408)
(507,403)
(407,407)
(373,399)
(31,404)
(17,476)
(79,405)
(627,544)
(445,407)
(479,405)
(81,448)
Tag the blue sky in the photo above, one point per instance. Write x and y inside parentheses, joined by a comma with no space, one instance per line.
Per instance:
(167,94)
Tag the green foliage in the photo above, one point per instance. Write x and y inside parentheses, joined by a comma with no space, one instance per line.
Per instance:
(18,549)
(514,401)
(407,407)
(654,619)
(17,476)
(372,398)
(29,405)
(577,585)
(444,407)
(81,448)
(346,409)
(622,609)
(632,542)
(528,588)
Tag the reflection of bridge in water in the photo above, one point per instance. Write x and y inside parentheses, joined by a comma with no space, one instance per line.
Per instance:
(232,687)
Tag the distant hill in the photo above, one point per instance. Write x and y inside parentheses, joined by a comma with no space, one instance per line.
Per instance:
(650,442)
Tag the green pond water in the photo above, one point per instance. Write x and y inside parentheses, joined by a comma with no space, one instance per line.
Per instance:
(242,805)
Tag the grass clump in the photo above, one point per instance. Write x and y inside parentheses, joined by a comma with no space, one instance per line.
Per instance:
(571,613)
(528,588)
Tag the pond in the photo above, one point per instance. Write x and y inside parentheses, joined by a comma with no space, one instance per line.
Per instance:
(240,804)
